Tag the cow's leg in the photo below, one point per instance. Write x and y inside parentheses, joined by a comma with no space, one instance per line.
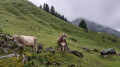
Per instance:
(35,43)
(36,47)
(61,49)
(64,49)
(31,48)
(21,46)
(24,47)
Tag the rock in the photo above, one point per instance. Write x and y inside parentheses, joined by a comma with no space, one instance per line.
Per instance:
(5,45)
(57,63)
(53,63)
(50,49)
(39,51)
(69,50)
(72,65)
(7,37)
(9,55)
(109,51)
(17,56)
(77,53)
(40,48)
(24,59)
(5,50)
(87,49)
(1,42)
(57,47)
(96,50)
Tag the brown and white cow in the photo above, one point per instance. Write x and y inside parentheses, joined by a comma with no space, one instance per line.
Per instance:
(62,42)
(23,41)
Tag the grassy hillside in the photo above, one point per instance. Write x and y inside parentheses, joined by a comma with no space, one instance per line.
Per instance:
(23,18)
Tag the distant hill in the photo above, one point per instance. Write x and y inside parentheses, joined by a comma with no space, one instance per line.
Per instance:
(92,26)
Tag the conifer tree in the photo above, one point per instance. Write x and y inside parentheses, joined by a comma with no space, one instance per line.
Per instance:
(83,24)
(44,6)
(52,10)
(40,6)
(47,8)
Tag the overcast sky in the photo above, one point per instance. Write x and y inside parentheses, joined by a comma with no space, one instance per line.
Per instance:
(105,12)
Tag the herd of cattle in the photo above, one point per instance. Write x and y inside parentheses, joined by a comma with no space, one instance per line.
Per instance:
(31,41)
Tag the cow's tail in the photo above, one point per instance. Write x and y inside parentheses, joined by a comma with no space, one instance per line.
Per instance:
(35,42)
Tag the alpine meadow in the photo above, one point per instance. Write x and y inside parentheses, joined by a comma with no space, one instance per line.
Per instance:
(21,17)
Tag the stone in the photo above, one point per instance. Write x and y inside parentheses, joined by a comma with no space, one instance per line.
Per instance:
(95,50)
(87,49)
(53,63)
(77,53)
(69,50)
(40,48)
(109,51)
(50,49)
(5,45)
(72,65)
(9,56)
(57,47)
(1,42)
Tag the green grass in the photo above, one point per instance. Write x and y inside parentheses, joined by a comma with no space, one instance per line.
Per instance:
(23,18)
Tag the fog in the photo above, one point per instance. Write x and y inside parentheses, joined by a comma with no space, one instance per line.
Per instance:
(104,12)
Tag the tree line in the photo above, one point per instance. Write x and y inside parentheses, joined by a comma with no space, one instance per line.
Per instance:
(52,11)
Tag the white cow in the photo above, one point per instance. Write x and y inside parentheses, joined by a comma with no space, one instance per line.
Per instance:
(23,41)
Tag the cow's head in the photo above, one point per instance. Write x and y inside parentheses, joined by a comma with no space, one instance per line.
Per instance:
(14,38)
(64,36)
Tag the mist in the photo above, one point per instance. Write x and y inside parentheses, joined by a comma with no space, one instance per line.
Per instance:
(104,12)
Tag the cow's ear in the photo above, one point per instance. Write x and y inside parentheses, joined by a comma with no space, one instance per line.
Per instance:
(15,35)
(64,34)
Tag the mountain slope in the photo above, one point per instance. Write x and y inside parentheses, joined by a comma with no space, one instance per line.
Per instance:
(23,18)
(96,27)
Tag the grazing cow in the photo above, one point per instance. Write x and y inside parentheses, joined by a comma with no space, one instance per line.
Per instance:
(23,41)
(62,42)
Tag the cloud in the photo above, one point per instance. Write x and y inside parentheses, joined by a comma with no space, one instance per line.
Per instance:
(105,12)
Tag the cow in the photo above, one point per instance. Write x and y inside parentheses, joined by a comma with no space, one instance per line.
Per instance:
(62,42)
(22,41)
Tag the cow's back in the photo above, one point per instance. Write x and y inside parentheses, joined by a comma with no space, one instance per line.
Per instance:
(29,40)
